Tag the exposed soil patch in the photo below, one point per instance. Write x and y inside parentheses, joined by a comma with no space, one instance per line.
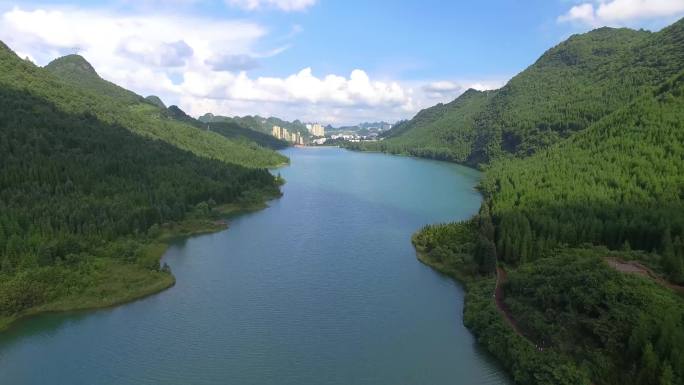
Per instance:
(634,267)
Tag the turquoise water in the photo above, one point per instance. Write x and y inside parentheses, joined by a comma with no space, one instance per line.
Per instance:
(323,287)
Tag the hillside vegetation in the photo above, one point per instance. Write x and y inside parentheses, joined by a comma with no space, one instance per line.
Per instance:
(570,87)
(86,203)
(258,123)
(72,85)
(589,168)
(233,129)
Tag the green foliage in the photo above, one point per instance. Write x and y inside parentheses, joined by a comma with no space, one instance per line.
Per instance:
(238,133)
(527,363)
(625,329)
(449,248)
(569,88)
(432,134)
(156,101)
(73,86)
(258,123)
(463,247)
(585,147)
(81,196)
(619,182)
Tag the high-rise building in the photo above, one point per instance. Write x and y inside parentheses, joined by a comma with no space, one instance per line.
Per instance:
(316,129)
(283,134)
(277,132)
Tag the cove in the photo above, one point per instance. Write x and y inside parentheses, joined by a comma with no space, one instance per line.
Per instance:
(322,287)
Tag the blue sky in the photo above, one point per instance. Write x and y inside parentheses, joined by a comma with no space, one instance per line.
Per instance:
(333,61)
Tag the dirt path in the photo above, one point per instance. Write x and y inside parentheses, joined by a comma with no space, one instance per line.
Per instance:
(501,278)
(634,267)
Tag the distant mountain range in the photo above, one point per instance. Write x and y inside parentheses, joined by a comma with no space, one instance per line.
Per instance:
(365,126)
(258,123)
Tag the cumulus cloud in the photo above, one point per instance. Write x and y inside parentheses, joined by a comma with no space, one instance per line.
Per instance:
(445,90)
(303,93)
(233,63)
(440,89)
(618,12)
(202,65)
(285,5)
(161,54)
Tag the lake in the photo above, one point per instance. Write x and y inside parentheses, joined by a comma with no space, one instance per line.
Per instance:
(322,287)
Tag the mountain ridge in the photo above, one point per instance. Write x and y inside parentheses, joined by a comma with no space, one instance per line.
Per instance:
(63,86)
(569,87)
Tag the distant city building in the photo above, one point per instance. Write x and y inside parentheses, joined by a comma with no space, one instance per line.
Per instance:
(277,132)
(316,129)
(283,134)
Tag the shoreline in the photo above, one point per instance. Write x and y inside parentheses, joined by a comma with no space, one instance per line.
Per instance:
(159,281)
(466,165)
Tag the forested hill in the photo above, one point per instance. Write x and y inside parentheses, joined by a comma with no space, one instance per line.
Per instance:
(72,84)
(258,123)
(230,129)
(618,184)
(84,198)
(614,190)
(606,184)
(75,70)
(570,87)
(236,131)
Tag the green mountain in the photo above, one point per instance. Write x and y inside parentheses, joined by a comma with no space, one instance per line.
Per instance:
(87,202)
(156,101)
(230,129)
(257,123)
(575,264)
(235,131)
(175,112)
(75,70)
(87,92)
(570,87)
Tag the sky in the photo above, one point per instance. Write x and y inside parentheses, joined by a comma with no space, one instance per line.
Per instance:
(332,61)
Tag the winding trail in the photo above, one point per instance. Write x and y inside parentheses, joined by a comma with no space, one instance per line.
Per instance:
(501,278)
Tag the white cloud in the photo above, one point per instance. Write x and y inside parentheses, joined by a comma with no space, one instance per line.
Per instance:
(303,89)
(619,12)
(446,90)
(202,63)
(285,5)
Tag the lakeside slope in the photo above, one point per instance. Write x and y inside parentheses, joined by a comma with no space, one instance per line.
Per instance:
(583,161)
(95,179)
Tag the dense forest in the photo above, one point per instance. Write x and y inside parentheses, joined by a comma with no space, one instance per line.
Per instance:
(584,171)
(227,128)
(85,198)
(235,131)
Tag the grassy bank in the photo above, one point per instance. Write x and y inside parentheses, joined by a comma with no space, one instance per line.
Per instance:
(99,282)
(113,284)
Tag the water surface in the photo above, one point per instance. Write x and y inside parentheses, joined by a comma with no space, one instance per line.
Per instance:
(323,287)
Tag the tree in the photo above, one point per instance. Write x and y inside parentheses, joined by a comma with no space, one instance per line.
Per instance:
(485,255)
